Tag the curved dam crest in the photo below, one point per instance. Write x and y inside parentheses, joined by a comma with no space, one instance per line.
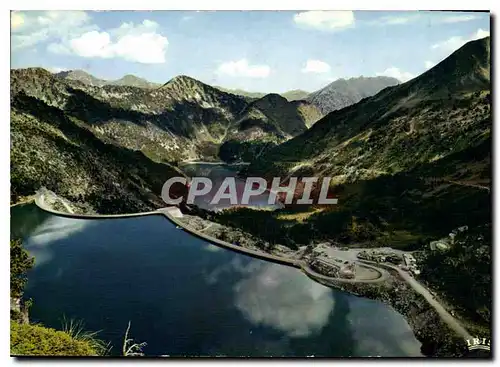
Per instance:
(173,213)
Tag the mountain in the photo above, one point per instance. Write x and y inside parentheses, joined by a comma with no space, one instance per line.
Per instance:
(249,96)
(180,120)
(293,95)
(411,163)
(134,81)
(81,76)
(52,149)
(272,112)
(84,77)
(344,92)
(444,110)
(264,123)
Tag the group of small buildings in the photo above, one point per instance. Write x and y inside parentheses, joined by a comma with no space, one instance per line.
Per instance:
(329,265)
(381,256)
(411,264)
(405,261)
(334,267)
(444,244)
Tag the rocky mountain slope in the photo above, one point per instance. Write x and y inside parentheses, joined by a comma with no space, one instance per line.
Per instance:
(182,119)
(52,149)
(179,120)
(443,111)
(345,92)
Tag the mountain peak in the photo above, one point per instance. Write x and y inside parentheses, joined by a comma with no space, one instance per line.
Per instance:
(32,70)
(182,79)
(273,98)
(465,70)
(134,81)
(80,75)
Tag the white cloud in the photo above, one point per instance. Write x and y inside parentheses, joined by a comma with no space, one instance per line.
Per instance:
(481,33)
(411,18)
(394,20)
(31,28)
(243,69)
(138,43)
(429,64)
(459,18)
(284,299)
(57,69)
(92,44)
(325,20)
(397,73)
(72,32)
(316,66)
(454,43)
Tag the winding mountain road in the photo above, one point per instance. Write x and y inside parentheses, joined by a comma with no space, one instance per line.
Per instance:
(418,287)
(445,315)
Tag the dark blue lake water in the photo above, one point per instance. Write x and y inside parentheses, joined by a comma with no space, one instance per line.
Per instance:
(185,297)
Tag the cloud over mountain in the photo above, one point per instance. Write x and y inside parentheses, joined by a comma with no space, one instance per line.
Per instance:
(242,68)
(454,43)
(325,20)
(138,43)
(394,72)
(316,66)
(73,32)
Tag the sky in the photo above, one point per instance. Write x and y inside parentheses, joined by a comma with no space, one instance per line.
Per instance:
(258,51)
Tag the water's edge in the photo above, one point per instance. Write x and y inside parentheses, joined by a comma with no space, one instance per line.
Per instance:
(426,332)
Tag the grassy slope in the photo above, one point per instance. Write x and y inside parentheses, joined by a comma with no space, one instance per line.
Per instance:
(36,340)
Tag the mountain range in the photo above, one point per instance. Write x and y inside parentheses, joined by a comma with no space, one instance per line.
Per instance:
(421,122)
(84,77)
(335,95)
(182,119)
(441,112)
(292,95)
(83,127)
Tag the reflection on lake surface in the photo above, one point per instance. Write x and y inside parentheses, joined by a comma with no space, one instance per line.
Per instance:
(185,297)
(217,173)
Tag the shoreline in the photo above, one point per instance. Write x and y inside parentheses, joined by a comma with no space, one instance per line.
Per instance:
(185,163)
(393,291)
(39,200)
(24,200)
